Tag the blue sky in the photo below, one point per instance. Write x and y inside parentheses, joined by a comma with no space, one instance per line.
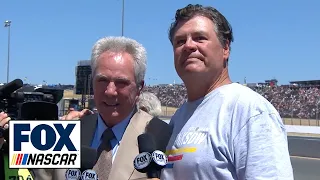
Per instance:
(273,39)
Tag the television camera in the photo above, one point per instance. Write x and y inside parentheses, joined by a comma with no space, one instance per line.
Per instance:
(28,103)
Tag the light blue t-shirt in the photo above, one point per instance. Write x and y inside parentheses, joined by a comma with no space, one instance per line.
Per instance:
(231,133)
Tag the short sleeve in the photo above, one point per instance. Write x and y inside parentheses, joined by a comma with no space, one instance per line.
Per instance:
(261,149)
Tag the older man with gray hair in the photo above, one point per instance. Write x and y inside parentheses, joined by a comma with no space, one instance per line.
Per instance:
(149,103)
(119,67)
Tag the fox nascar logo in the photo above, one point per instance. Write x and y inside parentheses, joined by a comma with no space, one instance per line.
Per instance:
(159,158)
(73,174)
(142,160)
(89,174)
(44,144)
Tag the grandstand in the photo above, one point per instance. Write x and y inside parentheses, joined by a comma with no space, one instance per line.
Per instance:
(297,102)
(310,83)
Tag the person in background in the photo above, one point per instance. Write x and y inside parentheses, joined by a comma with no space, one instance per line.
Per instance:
(118,66)
(4,120)
(5,172)
(149,103)
(225,130)
(75,115)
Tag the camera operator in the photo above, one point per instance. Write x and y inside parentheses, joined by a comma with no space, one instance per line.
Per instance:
(4,119)
(6,173)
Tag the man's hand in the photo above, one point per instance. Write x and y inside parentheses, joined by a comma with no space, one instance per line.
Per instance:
(4,119)
(75,115)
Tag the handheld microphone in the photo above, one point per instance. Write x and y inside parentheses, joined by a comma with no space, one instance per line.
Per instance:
(150,160)
(10,87)
(88,160)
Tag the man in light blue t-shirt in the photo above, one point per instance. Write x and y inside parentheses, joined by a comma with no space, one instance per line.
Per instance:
(225,130)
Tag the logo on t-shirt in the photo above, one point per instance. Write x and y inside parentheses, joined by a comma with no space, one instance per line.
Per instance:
(186,143)
(193,136)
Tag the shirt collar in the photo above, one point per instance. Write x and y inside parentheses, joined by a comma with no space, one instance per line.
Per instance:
(118,129)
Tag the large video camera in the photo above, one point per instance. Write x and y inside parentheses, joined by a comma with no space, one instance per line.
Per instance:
(28,102)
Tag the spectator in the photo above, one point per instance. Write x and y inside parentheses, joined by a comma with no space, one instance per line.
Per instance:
(290,101)
(169,95)
(149,103)
(4,124)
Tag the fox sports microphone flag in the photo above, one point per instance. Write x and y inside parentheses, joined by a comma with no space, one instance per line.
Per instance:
(44,144)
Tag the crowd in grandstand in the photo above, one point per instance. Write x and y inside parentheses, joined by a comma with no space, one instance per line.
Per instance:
(290,101)
(169,95)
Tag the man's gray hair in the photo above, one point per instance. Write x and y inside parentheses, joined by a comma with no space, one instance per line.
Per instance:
(122,44)
(150,103)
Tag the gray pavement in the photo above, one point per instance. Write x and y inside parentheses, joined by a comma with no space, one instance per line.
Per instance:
(305,168)
(304,146)
(305,157)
